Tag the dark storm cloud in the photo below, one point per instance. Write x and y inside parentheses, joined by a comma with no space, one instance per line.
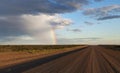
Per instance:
(106,12)
(10,27)
(109,17)
(35,26)
(36,13)
(18,7)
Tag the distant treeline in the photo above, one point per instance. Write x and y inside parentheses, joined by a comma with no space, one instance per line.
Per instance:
(5,48)
(114,47)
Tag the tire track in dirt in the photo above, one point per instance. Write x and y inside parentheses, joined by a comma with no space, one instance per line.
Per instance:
(94,59)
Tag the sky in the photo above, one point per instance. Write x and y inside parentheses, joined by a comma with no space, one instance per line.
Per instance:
(59,22)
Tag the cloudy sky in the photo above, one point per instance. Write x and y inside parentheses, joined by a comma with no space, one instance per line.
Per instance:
(60,22)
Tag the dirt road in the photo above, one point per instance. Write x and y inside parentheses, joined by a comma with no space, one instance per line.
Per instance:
(93,59)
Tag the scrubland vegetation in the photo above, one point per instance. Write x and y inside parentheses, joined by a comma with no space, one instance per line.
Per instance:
(32,48)
(113,47)
(14,54)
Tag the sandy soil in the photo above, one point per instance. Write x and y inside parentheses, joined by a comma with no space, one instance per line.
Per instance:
(12,58)
(94,59)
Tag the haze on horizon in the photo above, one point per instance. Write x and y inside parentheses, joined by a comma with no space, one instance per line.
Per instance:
(60,22)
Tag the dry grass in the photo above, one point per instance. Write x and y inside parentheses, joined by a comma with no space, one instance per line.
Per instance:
(13,57)
(113,47)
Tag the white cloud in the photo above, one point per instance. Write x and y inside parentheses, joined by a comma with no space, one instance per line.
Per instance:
(36,19)
(38,27)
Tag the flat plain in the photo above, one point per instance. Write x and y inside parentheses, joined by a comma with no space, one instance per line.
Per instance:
(90,59)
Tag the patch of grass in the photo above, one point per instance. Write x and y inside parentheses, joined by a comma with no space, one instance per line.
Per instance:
(113,47)
(32,48)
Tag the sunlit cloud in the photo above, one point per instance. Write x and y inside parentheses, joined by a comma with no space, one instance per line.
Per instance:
(39,27)
(35,21)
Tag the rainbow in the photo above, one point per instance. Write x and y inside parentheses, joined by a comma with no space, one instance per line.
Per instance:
(53,35)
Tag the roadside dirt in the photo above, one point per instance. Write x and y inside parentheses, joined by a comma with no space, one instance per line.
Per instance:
(11,58)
